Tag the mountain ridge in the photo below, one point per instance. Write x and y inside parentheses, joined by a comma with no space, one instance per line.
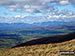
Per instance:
(47,40)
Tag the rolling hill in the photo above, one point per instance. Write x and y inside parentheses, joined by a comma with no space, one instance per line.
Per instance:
(46,40)
(43,48)
(10,37)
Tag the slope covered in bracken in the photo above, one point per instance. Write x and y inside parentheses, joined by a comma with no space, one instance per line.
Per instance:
(47,49)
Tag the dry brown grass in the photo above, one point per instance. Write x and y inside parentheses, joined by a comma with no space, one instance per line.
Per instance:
(40,50)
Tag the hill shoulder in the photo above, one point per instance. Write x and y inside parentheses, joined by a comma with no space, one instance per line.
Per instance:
(40,50)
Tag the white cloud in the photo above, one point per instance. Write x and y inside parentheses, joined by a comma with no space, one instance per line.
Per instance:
(25,1)
(29,10)
(17,16)
(12,6)
(21,16)
(4,2)
(64,2)
(11,9)
(34,19)
(32,5)
(27,6)
(24,16)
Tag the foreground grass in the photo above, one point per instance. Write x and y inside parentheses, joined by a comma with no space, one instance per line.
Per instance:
(40,50)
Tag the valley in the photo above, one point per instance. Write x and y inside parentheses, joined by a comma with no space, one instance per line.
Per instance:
(11,36)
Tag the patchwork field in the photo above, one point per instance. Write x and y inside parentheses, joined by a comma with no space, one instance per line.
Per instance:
(10,39)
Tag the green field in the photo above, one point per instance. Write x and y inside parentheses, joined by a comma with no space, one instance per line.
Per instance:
(10,39)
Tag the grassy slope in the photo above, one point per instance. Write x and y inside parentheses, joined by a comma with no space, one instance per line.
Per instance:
(40,50)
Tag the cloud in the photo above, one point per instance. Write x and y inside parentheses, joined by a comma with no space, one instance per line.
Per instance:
(34,6)
(36,2)
(17,16)
(31,5)
(11,9)
(64,2)
(25,1)
(35,19)
(20,16)
(45,7)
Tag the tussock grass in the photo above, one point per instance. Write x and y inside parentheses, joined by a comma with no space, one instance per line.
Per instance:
(40,50)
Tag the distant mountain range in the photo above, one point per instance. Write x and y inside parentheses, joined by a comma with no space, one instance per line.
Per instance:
(14,26)
(53,23)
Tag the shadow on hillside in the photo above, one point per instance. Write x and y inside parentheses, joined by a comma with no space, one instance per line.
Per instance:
(46,40)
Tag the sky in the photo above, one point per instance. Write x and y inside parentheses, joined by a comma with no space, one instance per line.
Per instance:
(31,11)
